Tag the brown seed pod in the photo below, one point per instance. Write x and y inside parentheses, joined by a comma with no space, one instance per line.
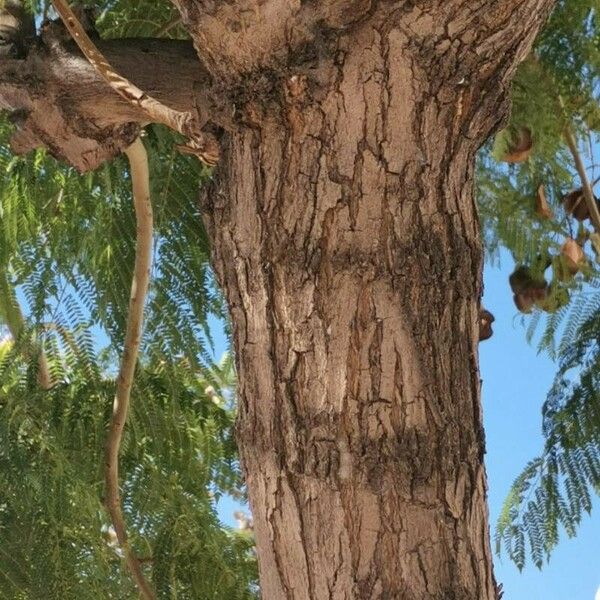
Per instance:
(538,292)
(574,203)
(523,302)
(573,255)
(542,208)
(486,318)
(520,146)
(522,280)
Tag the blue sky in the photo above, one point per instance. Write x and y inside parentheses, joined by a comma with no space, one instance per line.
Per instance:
(515,382)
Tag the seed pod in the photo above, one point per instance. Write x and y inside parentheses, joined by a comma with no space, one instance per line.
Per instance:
(522,280)
(486,318)
(519,146)
(574,203)
(523,302)
(573,255)
(542,208)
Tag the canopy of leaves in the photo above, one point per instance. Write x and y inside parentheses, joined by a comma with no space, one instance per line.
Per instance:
(66,245)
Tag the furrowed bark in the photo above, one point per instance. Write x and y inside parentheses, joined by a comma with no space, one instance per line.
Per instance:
(346,240)
(138,161)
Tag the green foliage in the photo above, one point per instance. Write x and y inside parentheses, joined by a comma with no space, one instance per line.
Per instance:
(67,246)
(177,455)
(557,86)
(556,488)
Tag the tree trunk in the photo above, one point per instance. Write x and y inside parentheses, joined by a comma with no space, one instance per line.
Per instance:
(346,239)
(348,246)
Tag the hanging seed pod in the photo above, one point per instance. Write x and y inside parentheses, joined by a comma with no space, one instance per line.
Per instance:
(486,318)
(574,203)
(528,290)
(522,281)
(542,208)
(573,255)
(523,303)
(519,146)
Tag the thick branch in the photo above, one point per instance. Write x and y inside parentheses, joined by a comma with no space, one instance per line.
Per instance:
(138,161)
(185,122)
(60,102)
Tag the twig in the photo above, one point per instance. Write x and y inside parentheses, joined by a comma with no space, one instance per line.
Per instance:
(138,160)
(202,145)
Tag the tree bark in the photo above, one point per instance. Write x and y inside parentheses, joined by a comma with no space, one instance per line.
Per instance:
(59,102)
(347,241)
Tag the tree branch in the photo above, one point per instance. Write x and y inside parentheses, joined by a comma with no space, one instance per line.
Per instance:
(586,186)
(138,160)
(204,146)
(60,102)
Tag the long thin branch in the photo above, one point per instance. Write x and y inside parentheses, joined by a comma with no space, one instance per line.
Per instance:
(138,160)
(204,146)
(586,186)
(12,315)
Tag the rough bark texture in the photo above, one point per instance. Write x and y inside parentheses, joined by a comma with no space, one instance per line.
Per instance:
(58,101)
(346,240)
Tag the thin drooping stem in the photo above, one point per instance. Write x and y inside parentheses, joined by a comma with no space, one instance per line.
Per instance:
(138,160)
(586,186)
(204,146)
(12,315)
